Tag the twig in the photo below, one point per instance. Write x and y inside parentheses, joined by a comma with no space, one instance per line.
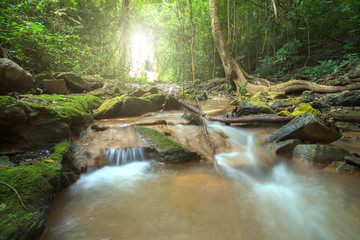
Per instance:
(22,203)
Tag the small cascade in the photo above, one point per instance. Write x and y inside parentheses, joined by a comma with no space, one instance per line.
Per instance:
(124,156)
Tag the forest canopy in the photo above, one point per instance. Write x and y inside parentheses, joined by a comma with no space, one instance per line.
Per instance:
(267,38)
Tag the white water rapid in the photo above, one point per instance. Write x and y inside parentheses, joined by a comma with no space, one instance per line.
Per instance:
(274,198)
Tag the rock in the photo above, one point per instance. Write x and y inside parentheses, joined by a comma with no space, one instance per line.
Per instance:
(123,106)
(189,94)
(276,95)
(138,93)
(305,108)
(157,100)
(166,150)
(354,73)
(191,117)
(316,153)
(308,96)
(343,166)
(44,119)
(162,101)
(286,102)
(57,86)
(38,78)
(247,107)
(285,148)
(73,82)
(353,160)
(110,90)
(37,185)
(99,127)
(346,98)
(306,127)
(13,78)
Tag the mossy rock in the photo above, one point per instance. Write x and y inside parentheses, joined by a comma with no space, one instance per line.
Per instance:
(247,107)
(123,106)
(304,108)
(286,102)
(166,150)
(189,95)
(163,101)
(306,127)
(36,184)
(42,119)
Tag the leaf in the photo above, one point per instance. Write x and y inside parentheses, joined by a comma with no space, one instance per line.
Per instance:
(49,161)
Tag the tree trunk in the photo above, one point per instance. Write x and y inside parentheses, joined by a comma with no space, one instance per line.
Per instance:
(238,78)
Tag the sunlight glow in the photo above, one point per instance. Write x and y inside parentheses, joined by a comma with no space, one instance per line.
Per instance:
(143,61)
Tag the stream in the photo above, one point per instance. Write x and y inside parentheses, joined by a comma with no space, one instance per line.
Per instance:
(125,195)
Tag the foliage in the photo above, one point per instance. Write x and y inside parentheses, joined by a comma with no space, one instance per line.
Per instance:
(325,67)
(284,59)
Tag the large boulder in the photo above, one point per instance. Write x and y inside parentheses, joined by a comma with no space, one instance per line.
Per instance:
(247,107)
(285,148)
(13,78)
(162,101)
(306,127)
(316,153)
(165,150)
(346,98)
(37,185)
(44,119)
(74,82)
(123,106)
(55,86)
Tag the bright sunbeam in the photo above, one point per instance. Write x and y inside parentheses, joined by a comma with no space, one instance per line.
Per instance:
(143,62)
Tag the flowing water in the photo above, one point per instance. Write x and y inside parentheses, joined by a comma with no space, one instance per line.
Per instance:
(131,197)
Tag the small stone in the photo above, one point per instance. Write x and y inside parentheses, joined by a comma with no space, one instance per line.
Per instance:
(99,127)
(316,153)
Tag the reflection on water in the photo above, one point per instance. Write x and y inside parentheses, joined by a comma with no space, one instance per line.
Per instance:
(274,199)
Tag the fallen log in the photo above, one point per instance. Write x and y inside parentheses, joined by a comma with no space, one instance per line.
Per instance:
(270,119)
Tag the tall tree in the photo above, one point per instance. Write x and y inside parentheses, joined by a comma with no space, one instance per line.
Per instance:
(237,77)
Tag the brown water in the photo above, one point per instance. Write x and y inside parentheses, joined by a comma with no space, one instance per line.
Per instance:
(272,198)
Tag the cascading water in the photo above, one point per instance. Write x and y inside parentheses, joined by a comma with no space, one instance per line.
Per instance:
(274,199)
(124,156)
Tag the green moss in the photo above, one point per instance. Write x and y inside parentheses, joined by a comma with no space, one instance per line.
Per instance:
(107,104)
(63,106)
(5,101)
(34,185)
(152,96)
(305,108)
(158,140)
(284,113)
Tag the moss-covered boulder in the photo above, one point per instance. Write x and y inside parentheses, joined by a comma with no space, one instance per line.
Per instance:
(128,105)
(247,107)
(36,185)
(110,90)
(286,102)
(163,101)
(346,98)
(123,106)
(165,150)
(189,95)
(44,119)
(305,108)
(306,127)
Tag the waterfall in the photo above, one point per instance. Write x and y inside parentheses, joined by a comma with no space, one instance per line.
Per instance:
(171,88)
(123,156)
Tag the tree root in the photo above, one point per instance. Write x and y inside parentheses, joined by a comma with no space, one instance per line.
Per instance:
(22,203)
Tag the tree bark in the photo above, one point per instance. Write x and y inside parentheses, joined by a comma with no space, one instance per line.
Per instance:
(238,78)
